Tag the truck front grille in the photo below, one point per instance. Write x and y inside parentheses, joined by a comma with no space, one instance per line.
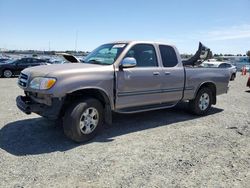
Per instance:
(23,80)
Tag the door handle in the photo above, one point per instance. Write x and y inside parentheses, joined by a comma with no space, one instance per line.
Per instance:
(156,73)
(167,73)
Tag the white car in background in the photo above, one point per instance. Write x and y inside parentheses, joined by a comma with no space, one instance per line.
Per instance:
(220,64)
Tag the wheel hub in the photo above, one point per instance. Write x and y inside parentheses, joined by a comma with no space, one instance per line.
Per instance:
(89,120)
(204,101)
(7,73)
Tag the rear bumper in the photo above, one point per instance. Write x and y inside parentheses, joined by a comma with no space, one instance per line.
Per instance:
(27,105)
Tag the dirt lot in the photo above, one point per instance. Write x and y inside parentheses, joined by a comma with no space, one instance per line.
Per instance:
(166,148)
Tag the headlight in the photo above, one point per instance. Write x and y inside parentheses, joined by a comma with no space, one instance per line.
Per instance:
(42,83)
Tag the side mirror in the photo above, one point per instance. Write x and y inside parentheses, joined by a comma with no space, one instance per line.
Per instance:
(128,62)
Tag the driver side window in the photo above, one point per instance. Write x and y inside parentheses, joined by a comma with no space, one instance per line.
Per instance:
(144,54)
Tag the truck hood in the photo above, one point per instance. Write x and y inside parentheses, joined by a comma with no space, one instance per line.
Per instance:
(72,77)
(62,69)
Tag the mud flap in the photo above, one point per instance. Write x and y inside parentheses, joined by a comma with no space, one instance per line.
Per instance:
(108,114)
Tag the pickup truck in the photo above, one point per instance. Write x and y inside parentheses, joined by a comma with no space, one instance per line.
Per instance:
(122,77)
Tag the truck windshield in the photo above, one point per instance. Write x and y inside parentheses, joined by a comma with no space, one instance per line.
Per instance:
(105,54)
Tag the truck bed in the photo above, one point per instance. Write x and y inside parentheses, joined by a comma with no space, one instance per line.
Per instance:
(197,75)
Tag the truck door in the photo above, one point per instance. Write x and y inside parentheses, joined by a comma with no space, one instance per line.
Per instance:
(140,85)
(173,74)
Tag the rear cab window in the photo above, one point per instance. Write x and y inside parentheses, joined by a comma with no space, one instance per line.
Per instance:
(168,56)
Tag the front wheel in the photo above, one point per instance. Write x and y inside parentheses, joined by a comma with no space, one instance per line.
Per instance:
(83,120)
(7,73)
(202,102)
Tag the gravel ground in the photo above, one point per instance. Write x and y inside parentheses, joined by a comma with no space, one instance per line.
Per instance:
(165,148)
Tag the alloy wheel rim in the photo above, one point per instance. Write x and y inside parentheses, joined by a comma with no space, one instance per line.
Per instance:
(7,73)
(89,120)
(204,101)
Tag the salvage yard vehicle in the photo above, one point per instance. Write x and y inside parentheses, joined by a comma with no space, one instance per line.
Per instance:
(219,64)
(15,66)
(122,77)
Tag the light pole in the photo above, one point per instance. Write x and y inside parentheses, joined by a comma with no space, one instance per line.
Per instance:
(76,40)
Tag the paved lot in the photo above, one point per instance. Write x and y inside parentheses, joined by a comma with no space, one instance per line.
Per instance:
(166,148)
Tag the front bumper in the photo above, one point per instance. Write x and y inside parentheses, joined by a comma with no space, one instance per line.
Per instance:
(27,105)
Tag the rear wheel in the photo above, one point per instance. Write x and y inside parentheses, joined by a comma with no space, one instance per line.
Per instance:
(83,120)
(7,73)
(202,102)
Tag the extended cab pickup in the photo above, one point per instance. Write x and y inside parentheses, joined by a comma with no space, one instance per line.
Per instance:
(122,77)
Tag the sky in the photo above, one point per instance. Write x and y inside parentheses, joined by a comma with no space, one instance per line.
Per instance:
(222,25)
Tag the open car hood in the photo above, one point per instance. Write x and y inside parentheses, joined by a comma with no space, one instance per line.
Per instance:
(203,53)
(68,57)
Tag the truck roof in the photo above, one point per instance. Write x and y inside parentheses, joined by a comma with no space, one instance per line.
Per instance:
(139,41)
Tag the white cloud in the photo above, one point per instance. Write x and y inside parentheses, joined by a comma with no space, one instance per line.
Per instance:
(228,33)
(231,39)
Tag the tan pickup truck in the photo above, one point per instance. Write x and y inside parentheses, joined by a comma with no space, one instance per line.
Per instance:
(122,77)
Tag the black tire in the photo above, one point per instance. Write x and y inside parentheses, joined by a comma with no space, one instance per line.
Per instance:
(7,73)
(232,77)
(194,105)
(73,115)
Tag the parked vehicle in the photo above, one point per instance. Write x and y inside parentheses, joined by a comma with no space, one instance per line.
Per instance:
(122,77)
(15,66)
(238,61)
(218,64)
